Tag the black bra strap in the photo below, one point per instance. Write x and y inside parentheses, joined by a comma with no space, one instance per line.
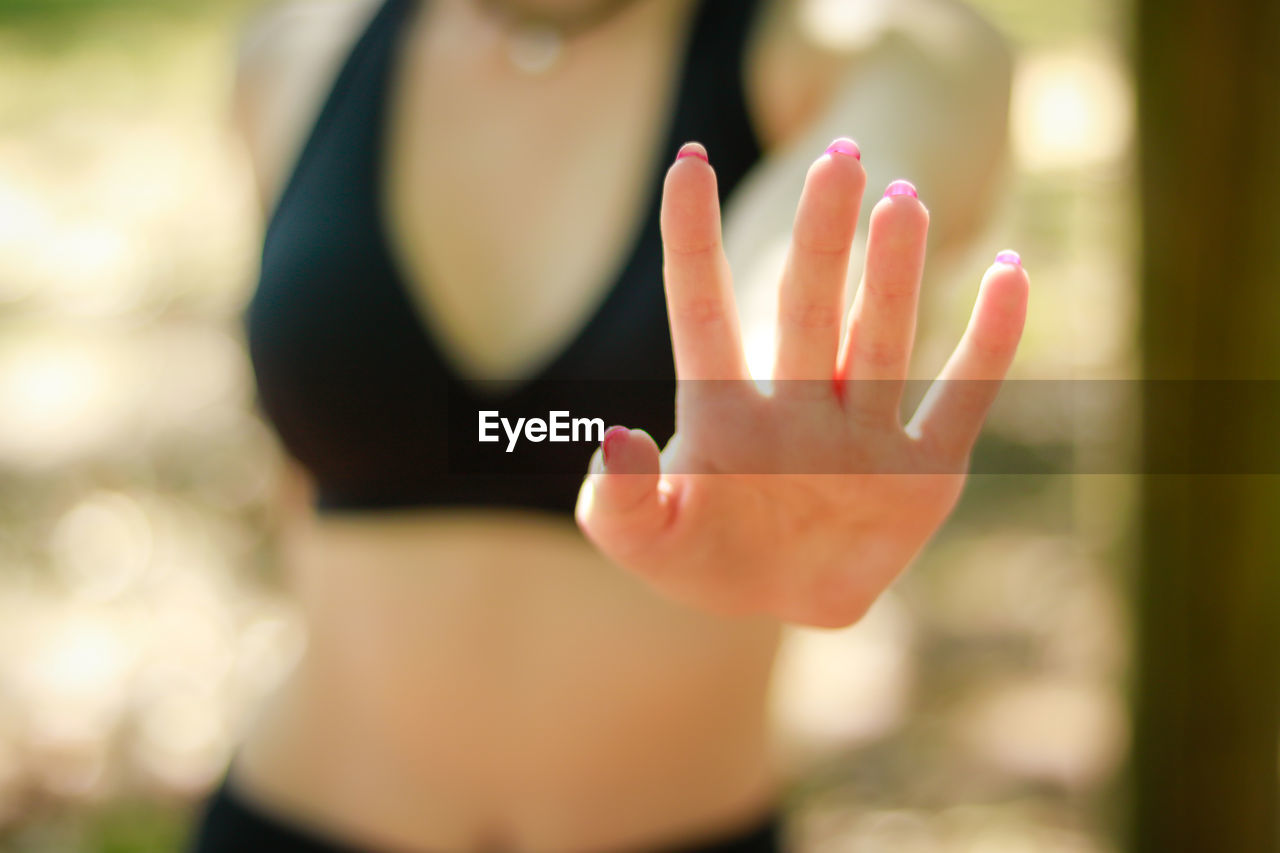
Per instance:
(363,74)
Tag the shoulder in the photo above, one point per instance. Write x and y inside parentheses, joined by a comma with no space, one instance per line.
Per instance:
(806,54)
(287,58)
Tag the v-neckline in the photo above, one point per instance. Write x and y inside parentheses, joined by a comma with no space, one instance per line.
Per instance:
(675,99)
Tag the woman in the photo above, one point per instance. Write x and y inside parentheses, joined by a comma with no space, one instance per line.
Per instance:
(478,219)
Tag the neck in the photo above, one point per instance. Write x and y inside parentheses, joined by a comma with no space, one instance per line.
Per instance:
(535,37)
(567,17)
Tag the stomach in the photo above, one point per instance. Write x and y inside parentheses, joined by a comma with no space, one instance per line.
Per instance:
(485,678)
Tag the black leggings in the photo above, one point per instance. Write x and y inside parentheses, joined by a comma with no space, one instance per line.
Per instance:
(230,824)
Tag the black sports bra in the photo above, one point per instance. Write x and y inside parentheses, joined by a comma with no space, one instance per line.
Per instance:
(359,391)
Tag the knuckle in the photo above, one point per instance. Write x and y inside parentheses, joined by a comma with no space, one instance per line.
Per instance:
(812,315)
(703,311)
(894,292)
(994,350)
(691,248)
(811,245)
(879,353)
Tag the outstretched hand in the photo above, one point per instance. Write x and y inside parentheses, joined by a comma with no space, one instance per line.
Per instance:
(806,502)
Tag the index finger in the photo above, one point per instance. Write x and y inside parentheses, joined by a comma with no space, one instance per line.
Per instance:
(705,333)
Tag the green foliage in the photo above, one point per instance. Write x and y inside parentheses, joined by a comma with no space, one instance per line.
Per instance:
(139,828)
(59,8)
(129,826)
(70,17)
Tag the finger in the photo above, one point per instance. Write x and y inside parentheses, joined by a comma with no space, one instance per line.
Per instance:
(811,296)
(704,320)
(621,506)
(882,321)
(952,413)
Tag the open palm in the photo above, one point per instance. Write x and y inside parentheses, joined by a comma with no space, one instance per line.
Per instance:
(807,501)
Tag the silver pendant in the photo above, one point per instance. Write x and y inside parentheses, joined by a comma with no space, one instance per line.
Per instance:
(534,48)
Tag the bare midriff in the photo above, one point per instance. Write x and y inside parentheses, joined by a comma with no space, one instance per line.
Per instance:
(485,679)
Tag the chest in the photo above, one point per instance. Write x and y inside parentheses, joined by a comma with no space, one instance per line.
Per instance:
(517,199)
(438,228)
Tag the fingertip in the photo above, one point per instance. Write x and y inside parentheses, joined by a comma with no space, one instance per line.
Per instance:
(1004,280)
(901,211)
(1008,275)
(838,164)
(906,206)
(902,195)
(1008,256)
(627,451)
(609,445)
(626,484)
(827,216)
(690,215)
(691,163)
(693,149)
(691,170)
(846,147)
(900,188)
(1002,302)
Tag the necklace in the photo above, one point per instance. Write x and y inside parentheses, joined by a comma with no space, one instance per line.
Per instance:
(534,42)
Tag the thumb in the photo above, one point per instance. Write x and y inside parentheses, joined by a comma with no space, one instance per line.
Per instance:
(621,506)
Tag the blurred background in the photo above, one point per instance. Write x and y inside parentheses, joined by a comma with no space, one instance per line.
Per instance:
(981,707)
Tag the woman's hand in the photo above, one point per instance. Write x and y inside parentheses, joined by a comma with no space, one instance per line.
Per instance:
(804,503)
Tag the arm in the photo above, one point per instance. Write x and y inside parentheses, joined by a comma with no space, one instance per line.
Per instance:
(285,62)
(285,65)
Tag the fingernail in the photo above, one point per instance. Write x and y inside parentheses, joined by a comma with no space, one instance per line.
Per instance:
(1009,256)
(611,437)
(693,149)
(845,145)
(901,188)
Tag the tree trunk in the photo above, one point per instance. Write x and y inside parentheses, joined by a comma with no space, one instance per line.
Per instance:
(1207,688)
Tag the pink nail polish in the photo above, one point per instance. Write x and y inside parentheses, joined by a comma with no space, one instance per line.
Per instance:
(693,149)
(1009,256)
(846,146)
(901,188)
(610,440)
